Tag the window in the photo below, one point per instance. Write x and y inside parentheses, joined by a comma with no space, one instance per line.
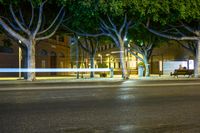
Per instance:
(119,65)
(43,63)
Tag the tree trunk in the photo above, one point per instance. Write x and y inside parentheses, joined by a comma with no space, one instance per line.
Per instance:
(123,61)
(197,60)
(92,65)
(31,60)
(77,61)
(147,73)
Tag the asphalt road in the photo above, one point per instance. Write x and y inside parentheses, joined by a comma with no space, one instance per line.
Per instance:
(130,106)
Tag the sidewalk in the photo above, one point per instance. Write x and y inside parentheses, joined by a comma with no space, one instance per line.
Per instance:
(64,82)
(9,80)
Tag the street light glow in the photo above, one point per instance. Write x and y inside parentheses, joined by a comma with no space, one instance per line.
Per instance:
(125,39)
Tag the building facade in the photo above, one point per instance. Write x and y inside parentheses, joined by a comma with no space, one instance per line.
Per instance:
(109,55)
(50,53)
(55,53)
(164,59)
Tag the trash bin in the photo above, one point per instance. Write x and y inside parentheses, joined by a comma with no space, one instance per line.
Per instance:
(140,71)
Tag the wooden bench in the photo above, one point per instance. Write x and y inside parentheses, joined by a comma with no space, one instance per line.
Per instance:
(182,72)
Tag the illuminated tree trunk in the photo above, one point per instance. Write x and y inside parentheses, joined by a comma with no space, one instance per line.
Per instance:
(92,65)
(31,32)
(123,61)
(77,60)
(197,61)
(147,73)
(31,60)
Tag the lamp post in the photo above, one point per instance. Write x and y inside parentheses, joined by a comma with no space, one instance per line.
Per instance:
(99,55)
(20,60)
(108,55)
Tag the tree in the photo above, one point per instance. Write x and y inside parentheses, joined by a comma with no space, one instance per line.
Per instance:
(90,46)
(194,35)
(175,20)
(142,42)
(109,18)
(30,32)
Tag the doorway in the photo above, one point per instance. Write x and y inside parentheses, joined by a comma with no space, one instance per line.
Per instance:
(53,62)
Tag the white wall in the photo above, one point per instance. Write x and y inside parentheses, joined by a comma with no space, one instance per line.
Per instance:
(170,66)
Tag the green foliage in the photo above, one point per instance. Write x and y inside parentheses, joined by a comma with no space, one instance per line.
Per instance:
(165,11)
(186,9)
(82,14)
(85,14)
(112,7)
(141,36)
(141,64)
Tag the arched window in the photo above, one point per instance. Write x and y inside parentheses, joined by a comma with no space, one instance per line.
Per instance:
(43,52)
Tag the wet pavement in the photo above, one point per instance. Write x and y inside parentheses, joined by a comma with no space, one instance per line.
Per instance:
(130,106)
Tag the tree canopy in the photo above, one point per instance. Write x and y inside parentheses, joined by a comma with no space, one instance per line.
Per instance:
(168,11)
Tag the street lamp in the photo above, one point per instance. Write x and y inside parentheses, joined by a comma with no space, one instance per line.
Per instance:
(125,39)
(108,59)
(99,55)
(20,59)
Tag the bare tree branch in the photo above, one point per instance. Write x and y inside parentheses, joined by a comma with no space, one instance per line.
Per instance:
(12,32)
(22,18)
(32,14)
(39,18)
(137,56)
(123,25)
(54,21)
(83,34)
(11,24)
(126,31)
(173,37)
(104,29)
(190,29)
(103,23)
(83,47)
(54,31)
(192,38)
(17,21)
(111,22)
